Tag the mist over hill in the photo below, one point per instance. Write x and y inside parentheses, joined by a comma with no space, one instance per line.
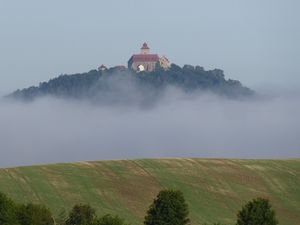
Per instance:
(118,114)
(120,85)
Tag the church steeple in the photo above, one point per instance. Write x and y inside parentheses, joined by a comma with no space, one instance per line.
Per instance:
(145,49)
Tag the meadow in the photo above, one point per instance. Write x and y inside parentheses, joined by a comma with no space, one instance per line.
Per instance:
(215,189)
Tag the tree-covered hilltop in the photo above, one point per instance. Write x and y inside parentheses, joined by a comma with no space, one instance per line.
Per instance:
(118,82)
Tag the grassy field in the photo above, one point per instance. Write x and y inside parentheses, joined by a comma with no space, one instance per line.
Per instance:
(215,189)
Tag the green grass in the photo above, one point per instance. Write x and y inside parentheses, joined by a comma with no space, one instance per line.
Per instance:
(215,189)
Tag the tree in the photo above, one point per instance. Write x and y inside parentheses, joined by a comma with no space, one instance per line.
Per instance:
(7,211)
(32,214)
(169,208)
(257,212)
(81,215)
(109,220)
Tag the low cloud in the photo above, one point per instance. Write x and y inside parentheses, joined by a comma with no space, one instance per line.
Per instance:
(52,130)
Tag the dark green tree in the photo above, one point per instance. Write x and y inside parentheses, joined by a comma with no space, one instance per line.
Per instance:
(8,211)
(168,208)
(109,220)
(257,212)
(32,214)
(81,215)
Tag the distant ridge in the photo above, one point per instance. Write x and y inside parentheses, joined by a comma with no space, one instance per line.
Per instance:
(214,188)
(96,84)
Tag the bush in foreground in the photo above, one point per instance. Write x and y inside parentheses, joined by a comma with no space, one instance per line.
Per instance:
(257,212)
(85,215)
(169,208)
(81,215)
(8,211)
(32,214)
(109,220)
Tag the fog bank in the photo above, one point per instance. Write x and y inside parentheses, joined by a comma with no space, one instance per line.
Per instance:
(179,125)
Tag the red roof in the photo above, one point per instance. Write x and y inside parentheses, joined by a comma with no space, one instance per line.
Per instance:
(144,58)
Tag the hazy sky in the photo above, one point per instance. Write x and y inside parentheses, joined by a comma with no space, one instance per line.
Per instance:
(254,41)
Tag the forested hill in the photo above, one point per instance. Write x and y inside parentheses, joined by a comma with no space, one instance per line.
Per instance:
(116,82)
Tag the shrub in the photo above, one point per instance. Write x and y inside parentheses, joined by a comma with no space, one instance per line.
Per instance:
(32,214)
(169,208)
(109,220)
(81,215)
(8,211)
(257,212)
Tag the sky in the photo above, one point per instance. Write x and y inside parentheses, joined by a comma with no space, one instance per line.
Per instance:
(256,42)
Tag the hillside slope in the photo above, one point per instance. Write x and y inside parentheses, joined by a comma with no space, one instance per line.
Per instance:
(112,85)
(214,189)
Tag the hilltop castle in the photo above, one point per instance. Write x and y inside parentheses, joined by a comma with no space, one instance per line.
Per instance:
(146,61)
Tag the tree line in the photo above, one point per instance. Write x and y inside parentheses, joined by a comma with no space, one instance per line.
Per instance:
(97,83)
(168,208)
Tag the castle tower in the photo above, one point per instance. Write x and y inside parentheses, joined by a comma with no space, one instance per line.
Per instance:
(145,49)
(143,61)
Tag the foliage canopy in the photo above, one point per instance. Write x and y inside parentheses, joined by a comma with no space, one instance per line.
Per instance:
(96,84)
(8,211)
(81,215)
(32,214)
(257,212)
(109,220)
(169,208)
